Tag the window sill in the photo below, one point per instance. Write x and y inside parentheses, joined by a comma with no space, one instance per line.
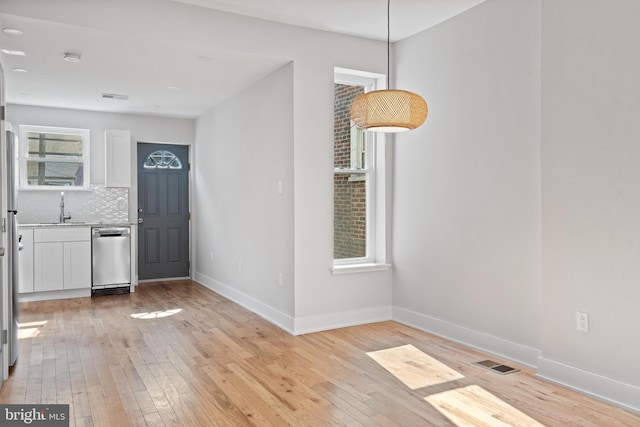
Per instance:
(359,268)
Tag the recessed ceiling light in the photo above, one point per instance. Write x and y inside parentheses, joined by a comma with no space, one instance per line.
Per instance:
(13,52)
(20,70)
(24,94)
(173,88)
(72,57)
(12,31)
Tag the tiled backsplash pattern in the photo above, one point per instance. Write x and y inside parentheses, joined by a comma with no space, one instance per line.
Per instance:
(101,204)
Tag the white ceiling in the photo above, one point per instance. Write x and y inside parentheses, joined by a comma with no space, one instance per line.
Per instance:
(123,63)
(364,18)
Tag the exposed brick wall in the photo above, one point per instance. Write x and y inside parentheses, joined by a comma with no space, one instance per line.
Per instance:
(349,198)
(344,96)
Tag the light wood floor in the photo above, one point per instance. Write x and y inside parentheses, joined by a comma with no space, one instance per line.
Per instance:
(198,359)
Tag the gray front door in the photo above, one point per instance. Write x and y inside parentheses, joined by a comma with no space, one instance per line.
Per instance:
(163,211)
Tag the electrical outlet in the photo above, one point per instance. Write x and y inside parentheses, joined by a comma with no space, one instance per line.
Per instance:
(582,321)
(280,279)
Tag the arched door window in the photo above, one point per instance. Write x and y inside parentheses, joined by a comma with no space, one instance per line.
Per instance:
(162,159)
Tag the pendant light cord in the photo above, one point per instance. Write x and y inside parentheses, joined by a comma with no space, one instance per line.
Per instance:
(388,42)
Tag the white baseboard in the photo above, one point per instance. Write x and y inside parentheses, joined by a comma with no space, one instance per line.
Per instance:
(598,386)
(300,325)
(324,322)
(278,318)
(500,347)
(52,295)
(168,279)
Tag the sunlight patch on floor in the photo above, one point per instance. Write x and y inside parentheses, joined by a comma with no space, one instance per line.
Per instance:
(156,314)
(413,367)
(38,324)
(28,333)
(30,329)
(473,406)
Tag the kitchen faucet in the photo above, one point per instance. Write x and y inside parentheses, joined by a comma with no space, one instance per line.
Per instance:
(63,217)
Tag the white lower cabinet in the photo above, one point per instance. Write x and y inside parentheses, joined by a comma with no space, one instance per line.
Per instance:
(62,258)
(77,265)
(47,266)
(26,261)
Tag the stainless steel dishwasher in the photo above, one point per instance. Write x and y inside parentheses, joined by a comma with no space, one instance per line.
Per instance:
(111,260)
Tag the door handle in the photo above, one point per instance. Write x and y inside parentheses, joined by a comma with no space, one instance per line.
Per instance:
(140,220)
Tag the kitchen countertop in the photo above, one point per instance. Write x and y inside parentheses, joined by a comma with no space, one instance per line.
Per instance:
(79,224)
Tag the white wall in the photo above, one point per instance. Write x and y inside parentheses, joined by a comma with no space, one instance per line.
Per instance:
(321,299)
(143,129)
(244,148)
(523,188)
(591,195)
(466,217)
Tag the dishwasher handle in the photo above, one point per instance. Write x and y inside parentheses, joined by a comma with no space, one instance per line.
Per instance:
(110,232)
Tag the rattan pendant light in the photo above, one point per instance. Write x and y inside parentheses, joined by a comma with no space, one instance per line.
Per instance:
(389,110)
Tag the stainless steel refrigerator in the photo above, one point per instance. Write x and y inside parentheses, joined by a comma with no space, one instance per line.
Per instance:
(13,244)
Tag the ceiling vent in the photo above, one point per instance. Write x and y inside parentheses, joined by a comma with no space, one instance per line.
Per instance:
(72,57)
(114,96)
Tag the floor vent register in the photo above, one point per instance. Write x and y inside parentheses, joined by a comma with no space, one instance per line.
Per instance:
(120,290)
(496,367)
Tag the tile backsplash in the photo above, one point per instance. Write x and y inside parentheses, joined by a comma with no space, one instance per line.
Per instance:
(101,204)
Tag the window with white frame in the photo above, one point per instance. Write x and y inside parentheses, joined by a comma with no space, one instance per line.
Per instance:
(52,157)
(358,220)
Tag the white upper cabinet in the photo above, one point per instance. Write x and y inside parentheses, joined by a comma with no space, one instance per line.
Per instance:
(118,158)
